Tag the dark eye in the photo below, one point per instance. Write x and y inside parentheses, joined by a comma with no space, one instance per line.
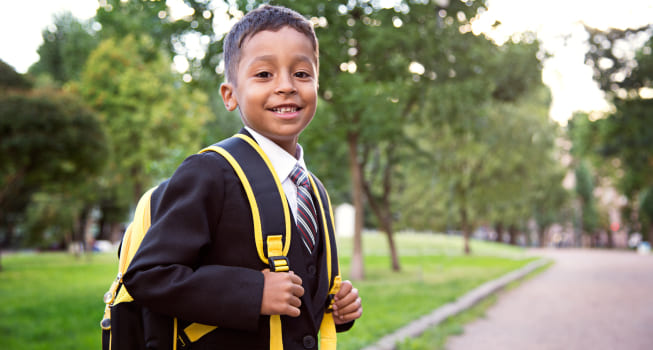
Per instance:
(302,75)
(263,75)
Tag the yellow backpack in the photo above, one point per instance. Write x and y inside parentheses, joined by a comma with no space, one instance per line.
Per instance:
(247,159)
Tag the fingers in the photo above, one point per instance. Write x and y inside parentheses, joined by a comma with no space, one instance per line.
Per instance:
(345,288)
(347,305)
(281,293)
(299,290)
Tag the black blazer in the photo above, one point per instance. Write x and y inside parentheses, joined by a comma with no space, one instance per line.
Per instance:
(198,262)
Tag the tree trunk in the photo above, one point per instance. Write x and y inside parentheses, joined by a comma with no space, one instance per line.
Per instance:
(79,230)
(116,231)
(382,208)
(357,267)
(9,235)
(104,233)
(393,249)
(499,230)
(465,227)
(512,231)
(541,234)
(384,214)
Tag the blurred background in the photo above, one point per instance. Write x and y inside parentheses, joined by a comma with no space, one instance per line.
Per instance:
(523,122)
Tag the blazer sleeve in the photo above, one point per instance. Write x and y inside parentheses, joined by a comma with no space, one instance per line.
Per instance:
(167,274)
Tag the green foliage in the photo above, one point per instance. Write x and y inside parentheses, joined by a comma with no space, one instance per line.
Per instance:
(614,70)
(585,191)
(136,18)
(627,136)
(520,70)
(646,212)
(65,48)
(10,79)
(620,144)
(153,120)
(624,135)
(69,307)
(47,139)
(177,36)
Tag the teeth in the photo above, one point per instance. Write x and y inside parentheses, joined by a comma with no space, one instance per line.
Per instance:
(285,110)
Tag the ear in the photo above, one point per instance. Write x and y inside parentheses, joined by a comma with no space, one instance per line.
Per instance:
(228,96)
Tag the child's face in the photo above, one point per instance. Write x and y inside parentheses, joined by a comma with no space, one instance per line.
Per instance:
(276,85)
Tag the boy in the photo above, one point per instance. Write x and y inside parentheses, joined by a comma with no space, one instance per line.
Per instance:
(198,261)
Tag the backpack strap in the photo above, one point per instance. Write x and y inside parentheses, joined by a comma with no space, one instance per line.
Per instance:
(328,338)
(272,237)
(131,241)
(263,190)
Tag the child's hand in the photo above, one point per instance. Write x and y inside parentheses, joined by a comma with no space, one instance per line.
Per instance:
(347,306)
(281,293)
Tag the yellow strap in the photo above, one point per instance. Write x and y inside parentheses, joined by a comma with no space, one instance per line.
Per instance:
(139,228)
(328,337)
(174,334)
(258,235)
(195,331)
(131,241)
(276,337)
(275,244)
(123,296)
(327,239)
(284,202)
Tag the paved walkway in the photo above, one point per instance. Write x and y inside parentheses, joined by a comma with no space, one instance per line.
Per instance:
(590,299)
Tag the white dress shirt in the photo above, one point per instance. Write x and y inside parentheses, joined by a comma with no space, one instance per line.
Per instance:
(283,163)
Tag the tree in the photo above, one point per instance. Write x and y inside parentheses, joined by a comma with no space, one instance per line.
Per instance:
(177,34)
(476,123)
(65,48)
(12,80)
(47,138)
(646,213)
(531,183)
(366,60)
(153,120)
(624,139)
(377,74)
(589,220)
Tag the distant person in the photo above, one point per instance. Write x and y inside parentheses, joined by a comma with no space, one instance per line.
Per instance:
(198,261)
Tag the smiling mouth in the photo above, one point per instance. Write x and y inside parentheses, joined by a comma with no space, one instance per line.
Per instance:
(285,109)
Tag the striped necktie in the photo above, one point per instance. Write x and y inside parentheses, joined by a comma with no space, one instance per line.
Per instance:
(306,214)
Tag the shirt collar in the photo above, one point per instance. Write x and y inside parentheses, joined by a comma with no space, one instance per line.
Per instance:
(282,161)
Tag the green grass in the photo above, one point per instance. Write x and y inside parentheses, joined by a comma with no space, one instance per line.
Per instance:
(54,301)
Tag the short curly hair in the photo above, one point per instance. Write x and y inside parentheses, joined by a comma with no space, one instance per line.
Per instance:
(266,17)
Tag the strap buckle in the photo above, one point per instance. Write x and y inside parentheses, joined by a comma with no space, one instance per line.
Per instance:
(328,306)
(279,263)
(337,281)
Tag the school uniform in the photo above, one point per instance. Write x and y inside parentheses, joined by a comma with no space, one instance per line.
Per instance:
(199,263)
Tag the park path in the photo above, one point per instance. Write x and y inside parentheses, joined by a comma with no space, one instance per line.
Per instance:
(589,299)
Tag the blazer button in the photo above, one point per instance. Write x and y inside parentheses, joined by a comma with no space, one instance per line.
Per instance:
(309,342)
(311,270)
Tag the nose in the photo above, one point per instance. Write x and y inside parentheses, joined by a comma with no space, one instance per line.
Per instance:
(285,85)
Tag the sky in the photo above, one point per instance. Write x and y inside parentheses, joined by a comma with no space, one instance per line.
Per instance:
(565,73)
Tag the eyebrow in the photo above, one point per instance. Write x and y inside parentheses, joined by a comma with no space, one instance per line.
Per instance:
(271,58)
